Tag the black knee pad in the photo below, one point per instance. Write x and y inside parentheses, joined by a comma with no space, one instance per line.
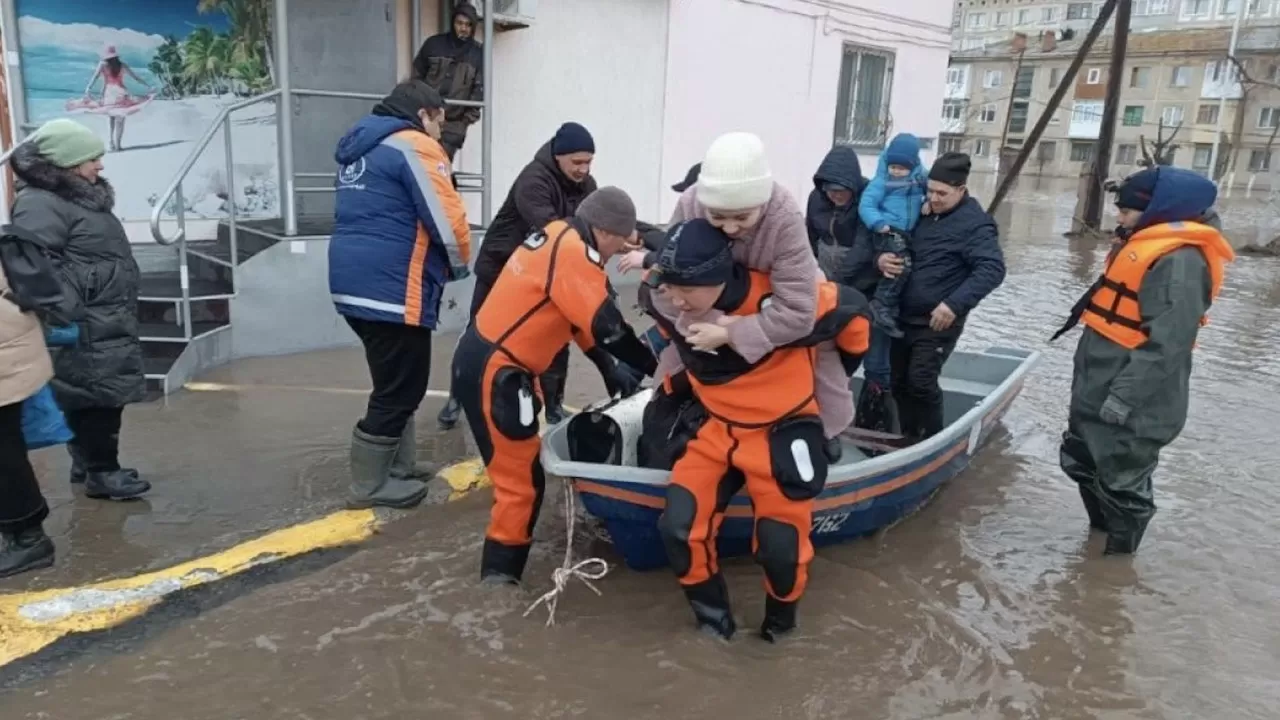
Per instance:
(675,525)
(778,552)
(513,405)
(797,457)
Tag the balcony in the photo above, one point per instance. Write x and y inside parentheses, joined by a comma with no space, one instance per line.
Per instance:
(1086,120)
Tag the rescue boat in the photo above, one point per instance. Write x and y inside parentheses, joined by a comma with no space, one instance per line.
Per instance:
(878,481)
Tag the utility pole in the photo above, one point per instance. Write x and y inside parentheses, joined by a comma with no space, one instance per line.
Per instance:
(1068,79)
(1228,67)
(1107,133)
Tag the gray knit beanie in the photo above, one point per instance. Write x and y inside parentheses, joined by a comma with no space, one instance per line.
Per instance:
(609,209)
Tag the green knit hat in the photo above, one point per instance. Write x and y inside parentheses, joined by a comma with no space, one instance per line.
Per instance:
(67,143)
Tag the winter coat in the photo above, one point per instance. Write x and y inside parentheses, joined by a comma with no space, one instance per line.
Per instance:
(1145,389)
(956,259)
(891,201)
(841,226)
(454,66)
(779,245)
(24,361)
(400,228)
(540,194)
(73,218)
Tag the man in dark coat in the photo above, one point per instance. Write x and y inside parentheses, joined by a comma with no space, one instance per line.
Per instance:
(840,241)
(956,262)
(453,63)
(65,203)
(549,188)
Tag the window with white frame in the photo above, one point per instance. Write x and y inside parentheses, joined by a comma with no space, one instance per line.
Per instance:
(955,76)
(862,101)
(1002,18)
(1171,115)
(972,44)
(987,114)
(953,110)
(1086,112)
(1269,117)
(1139,77)
(1079,11)
(957,15)
(1024,17)
(1179,76)
(1228,8)
(1126,154)
(1196,9)
(1201,156)
(1259,161)
(1081,151)
(981,147)
(992,79)
(1221,71)
(1207,114)
(977,20)
(950,144)
(1093,77)
(1151,7)
(1048,15)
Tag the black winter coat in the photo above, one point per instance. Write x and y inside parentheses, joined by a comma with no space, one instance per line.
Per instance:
(842,225)
(956,259)
(73,218)
(540,194)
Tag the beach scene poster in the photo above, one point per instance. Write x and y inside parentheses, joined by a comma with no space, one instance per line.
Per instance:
(150,77)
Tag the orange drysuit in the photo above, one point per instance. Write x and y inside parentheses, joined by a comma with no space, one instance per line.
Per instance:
(552,290)
(762,432)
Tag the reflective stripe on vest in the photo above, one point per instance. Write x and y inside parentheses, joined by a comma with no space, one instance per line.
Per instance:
(1114,311)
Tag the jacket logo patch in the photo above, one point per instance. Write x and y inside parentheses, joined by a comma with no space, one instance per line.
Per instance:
(1133,256)
(351,174)
(443,169)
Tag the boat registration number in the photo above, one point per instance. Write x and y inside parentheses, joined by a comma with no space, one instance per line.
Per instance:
(829,523)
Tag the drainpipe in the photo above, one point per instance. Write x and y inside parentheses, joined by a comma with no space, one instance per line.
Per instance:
(288,209)
(415,37)
(1222,101)
(486,146)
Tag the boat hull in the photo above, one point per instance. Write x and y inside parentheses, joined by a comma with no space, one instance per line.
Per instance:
(860,498)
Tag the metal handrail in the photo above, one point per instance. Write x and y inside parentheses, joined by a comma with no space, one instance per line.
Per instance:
(201,145)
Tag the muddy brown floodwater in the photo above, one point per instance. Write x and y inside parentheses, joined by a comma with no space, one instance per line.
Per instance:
(993,602)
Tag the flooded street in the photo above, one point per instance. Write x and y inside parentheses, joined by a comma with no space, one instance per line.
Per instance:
(992,602)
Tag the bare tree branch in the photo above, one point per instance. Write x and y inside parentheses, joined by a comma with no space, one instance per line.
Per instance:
(1247,79)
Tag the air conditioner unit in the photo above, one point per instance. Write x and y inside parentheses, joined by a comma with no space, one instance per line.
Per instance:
(511,14)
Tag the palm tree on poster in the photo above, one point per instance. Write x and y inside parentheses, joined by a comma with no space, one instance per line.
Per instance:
(250,34)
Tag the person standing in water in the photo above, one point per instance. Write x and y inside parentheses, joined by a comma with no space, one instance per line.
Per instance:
(1131,385)
(115,96)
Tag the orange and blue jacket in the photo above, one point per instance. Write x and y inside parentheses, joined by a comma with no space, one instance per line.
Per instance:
(400,228)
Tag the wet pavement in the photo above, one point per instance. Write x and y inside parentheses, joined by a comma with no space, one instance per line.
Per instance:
(992,602)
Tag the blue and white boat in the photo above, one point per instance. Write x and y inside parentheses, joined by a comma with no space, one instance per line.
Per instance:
(874,484)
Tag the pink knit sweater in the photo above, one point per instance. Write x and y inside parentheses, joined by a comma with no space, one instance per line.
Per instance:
(779,245)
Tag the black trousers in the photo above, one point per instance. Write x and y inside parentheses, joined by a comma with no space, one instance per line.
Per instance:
(916,361)
(399,358)
(97,432)
(889,290)
(553,380)
(22,506)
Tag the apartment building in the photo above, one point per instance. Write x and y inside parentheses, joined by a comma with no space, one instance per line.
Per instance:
(1176,83)
(975,23)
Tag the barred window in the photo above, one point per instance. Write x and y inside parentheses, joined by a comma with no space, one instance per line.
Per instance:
(862,103)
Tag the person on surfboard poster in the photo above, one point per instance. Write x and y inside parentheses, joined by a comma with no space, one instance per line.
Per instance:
(115,102)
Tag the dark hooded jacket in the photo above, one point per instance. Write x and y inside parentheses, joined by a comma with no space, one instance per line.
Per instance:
(540,194)
(454,66)
(91,252)
(956,259)
(841,225)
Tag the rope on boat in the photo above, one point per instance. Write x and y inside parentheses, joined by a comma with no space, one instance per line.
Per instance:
(587,570)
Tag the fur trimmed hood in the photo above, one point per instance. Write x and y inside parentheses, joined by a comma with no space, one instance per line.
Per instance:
(33,170)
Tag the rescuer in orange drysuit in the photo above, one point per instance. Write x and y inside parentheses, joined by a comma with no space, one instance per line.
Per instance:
(762,428)
(553,289)
(1131,386)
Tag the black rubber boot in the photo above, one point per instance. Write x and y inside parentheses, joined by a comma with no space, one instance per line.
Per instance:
(779,619)
(449,414)
(885,321)
(115,485)
(78,473)
(710,602)
(1093,508)
(833,449)
(552,385)
(502,564)
(28,550)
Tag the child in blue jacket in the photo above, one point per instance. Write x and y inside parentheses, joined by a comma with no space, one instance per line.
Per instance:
(890,207)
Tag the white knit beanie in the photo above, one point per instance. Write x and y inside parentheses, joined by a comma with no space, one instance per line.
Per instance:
(735,173)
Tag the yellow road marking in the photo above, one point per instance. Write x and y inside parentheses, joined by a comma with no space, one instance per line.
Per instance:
(31,621)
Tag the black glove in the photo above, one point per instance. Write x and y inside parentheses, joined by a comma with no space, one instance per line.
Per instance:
(626,380)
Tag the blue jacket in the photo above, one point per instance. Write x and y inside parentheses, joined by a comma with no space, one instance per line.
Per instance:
(892,201)
(400,228)
(956,259)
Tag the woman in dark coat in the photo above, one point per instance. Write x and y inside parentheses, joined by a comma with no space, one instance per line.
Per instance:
(63,201)
(840,241)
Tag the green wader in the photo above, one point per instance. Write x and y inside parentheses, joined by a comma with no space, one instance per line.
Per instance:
(1113,453)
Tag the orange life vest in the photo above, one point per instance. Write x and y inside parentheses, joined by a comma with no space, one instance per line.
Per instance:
(1113,310)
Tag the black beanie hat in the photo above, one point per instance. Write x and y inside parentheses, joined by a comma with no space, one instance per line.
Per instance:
(407,98)
(952,168)
(572,138)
